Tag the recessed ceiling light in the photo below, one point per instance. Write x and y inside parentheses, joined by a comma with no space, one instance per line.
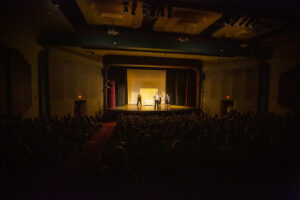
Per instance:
(183,39)
(112,31)
(244,45)
(90,53)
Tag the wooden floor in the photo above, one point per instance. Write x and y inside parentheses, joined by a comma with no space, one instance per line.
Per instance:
(135,108)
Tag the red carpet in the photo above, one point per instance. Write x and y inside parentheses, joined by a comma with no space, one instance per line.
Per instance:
(90,157)
(99,140)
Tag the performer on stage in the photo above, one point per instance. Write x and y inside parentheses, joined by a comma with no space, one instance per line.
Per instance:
(139,100)
(156,100)
(160,97)
(167,100)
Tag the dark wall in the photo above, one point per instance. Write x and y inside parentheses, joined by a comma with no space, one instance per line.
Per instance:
(15,81)
(3,81)
(289,89)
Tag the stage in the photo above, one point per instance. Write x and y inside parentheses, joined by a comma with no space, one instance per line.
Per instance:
(132,108)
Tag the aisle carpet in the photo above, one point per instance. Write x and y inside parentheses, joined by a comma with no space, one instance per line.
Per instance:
(91,156)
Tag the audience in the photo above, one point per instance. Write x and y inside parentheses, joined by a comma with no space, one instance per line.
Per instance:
(239,154)
(251,150)
(32,149)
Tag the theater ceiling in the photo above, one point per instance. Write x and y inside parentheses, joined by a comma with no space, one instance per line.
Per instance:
(207,27)
(185,18)
(110,12)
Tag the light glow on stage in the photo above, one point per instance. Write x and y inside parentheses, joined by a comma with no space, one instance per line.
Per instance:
(147,95)
(145,82)
(145,109)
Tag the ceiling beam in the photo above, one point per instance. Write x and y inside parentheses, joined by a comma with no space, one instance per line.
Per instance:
(153,61)
(152,42)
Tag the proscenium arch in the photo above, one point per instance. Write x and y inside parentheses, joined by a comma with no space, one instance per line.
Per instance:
(152,62)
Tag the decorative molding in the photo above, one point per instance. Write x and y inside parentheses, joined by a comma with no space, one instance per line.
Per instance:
(73,56)
(14,40)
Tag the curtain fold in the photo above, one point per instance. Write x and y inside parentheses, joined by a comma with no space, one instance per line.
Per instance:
(119,76)
(112,94)
(171,86)
(180,85)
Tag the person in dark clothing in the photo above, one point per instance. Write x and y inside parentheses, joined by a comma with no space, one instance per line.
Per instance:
(139,100)
(167,100)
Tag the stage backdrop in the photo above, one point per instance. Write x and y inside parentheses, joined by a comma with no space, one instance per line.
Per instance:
(143,78)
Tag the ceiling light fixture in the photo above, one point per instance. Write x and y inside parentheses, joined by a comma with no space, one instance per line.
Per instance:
(90,52)
(183,38)
(126,5)
(133,7)
(144,8)
(244,45)
(154,10)
(111,30)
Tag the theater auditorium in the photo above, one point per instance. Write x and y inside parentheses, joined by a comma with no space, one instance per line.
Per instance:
(149,99)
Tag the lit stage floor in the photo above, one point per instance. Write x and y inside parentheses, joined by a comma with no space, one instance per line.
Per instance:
(162,108)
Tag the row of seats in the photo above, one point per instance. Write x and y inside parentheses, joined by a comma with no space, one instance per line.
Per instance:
(32,149)
(240,150)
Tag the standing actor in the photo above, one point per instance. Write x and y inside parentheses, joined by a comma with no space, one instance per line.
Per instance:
(156,100)
(160,96)
(139,100)
(167,100)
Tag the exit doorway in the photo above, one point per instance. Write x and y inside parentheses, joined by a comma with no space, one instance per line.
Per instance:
(226,106)
(79,108)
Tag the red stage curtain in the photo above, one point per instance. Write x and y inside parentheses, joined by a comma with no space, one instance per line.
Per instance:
(112,94)
(119,75)
(187,102)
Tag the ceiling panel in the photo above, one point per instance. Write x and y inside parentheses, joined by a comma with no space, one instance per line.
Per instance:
(243,30)
(188,21)
(108,12)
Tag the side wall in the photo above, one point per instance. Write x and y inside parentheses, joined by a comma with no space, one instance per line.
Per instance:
(71,75)
(285,55)
(277,67)
(29,51)
(237,79)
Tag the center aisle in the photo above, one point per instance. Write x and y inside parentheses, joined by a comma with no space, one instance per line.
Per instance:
(83,165)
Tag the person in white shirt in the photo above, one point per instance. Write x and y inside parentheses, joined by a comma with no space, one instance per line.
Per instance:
(156,100)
